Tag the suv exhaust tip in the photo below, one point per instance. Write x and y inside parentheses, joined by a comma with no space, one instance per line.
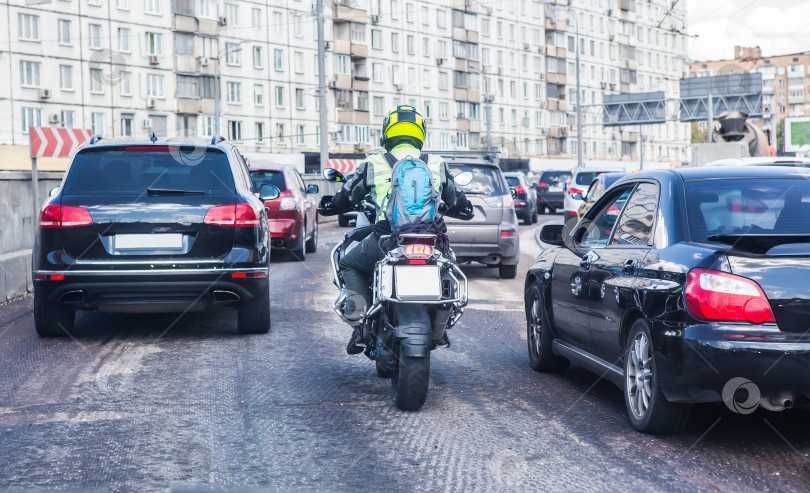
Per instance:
(225,296)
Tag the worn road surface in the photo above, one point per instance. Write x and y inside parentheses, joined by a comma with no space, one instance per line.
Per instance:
(125,407)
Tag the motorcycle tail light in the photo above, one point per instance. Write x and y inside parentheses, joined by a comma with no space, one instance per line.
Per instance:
(724,297)
(418,251)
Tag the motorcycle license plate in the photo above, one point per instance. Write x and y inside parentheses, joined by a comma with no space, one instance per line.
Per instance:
(418,282)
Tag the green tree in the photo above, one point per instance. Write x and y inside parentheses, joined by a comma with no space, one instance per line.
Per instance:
(780,138)
(698,136)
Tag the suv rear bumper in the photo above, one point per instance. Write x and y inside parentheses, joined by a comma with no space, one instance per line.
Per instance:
(506,251)
(164,288)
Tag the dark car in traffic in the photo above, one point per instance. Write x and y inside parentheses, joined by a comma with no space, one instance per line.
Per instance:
(597,188)
(152,227)
(292,216)
(525,197)
(551,190)
(696,286)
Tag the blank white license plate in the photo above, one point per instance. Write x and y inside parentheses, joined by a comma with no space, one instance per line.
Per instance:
(418,282)
(169,241)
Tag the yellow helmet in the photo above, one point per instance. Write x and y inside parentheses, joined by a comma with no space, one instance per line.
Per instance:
(403,125)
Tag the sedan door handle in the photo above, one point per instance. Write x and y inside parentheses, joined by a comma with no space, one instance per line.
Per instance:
(629,266)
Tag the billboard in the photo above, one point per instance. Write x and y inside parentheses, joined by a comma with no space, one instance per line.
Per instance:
(641,108)
(797,134)
(733,92)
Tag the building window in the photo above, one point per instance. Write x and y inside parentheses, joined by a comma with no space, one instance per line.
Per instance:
(187,87)
(208,46)
(256,18)
(207,87)
(410,42)
(29,73)
(280,133)
(154,86)
(234,130)
(183,43)
(376,39)
(343,64)
(379,105)
(409,16)
(298,61)
(97,123)
(233,55)
(232,14)
(123,40)
(125,83)
(152,7)
(443,111)
(441,19)
(63,28)
(154,44)
(258,58)
(299,98)
(280,96)
(343,99)
(259,132)
(126,125)
(66,119)
(362,101)
(122,4)
(96,85)
(300,135)
(234,92)
(278,60)
(66,77)
(94,36)
(297,26)
(258,94)
(395,42)
(209,126)
(31,117)
(29,27)
(443,81)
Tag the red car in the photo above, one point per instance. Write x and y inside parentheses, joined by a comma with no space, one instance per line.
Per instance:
(293,215)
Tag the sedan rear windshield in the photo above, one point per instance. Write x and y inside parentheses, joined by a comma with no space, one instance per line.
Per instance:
(268,177)
(132,172)
(486,181)
(748,206)
(513,181)
(555,178)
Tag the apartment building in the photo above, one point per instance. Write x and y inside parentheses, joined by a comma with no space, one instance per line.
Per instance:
(785,80)
(134,67)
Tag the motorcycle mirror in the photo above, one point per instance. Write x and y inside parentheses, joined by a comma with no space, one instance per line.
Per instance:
(333,175)
(269,192)
(463,179)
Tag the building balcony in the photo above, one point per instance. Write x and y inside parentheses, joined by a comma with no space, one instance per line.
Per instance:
(460,94)
(553,104)
(628,136)
(462,124)
(556,78)
(473,95)
(459,34)
(208,27)
(352,116)
(189,106)
(184,23)
(360,83)
(475,125)
(342,47)
(186,64)
(359,50)
(342,82)
(344,13)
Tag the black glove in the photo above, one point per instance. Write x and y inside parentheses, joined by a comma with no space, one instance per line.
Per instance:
(326,207)
(463,209)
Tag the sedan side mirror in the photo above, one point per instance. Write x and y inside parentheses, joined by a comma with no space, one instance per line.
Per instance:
(333,175)
(552,234)
(53,191)
(269,192)
(312,189)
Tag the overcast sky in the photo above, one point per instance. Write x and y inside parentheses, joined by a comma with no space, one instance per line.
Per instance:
(778,26)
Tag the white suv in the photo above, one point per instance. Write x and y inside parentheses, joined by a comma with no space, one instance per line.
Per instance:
(576,188)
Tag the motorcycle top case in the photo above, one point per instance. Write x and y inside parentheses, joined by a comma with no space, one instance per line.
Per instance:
(413,197)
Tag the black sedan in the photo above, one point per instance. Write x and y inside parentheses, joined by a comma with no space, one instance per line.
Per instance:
(681,287)
(153,227)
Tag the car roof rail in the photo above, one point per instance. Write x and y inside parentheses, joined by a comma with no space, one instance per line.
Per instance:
(216,139)
(94,139)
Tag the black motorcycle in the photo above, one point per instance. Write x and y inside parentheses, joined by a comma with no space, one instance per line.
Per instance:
(418,293)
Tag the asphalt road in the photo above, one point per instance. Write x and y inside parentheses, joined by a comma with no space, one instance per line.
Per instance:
(130,406)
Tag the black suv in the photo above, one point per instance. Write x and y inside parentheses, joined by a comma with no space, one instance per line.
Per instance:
(152,227)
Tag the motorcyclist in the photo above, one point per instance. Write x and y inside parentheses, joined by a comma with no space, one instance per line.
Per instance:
(403,136)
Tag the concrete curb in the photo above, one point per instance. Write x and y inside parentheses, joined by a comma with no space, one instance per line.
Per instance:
(15,275)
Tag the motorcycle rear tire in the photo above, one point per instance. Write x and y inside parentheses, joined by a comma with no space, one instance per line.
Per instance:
(410,382)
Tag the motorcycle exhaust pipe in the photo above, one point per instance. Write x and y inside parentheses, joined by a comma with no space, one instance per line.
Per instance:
(778,402)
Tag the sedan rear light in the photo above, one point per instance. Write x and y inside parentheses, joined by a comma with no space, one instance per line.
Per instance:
(508,234)
(287,204)
(64,216)
(232,215)
(49,277)
(724,297)
(248,275)
(542,184)
(572,191)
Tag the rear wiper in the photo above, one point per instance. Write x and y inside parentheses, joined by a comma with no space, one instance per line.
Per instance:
(758,243)
(473,192)
(167,191)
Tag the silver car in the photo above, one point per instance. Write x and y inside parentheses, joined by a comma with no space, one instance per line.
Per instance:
(491,237)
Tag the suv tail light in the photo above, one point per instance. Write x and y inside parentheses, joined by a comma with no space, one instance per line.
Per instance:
(520,190)
(542,184)
(508,201)
(232,215)
(723,297)
(64,216)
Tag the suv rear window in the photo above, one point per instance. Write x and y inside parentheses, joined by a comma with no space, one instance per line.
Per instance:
(119,171)
(748,206)
(268,177)
(486,181)
(512,181)
(586,177)
(555,178)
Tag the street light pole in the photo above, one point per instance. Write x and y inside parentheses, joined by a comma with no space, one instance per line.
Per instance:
(322,88)
(579,92)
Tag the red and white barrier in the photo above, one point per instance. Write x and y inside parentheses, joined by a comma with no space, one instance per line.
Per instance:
(56,142)
(345,166)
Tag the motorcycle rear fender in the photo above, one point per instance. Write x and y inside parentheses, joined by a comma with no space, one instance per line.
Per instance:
(413,330)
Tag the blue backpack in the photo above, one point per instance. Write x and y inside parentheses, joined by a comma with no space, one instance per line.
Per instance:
(413,197)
